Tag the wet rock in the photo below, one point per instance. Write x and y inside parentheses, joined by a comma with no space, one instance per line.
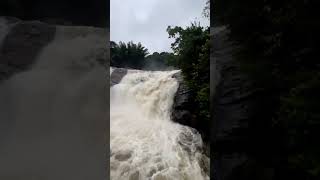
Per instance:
(182,106)
(117,75)
(22,44)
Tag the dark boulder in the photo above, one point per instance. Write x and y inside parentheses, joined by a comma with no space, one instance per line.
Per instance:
(117,75)
(233,112)
(182,106)
(21,45)
(183,111)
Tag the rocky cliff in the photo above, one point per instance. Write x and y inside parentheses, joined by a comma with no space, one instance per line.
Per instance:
(182,107)
(117,75)
(20,44)
(234,149)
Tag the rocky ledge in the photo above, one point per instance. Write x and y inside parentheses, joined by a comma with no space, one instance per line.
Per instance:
(20,43)
(116,75)
(182,106)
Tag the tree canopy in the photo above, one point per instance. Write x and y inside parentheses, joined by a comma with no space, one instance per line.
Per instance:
(159,61)
(128,55)
(192,50)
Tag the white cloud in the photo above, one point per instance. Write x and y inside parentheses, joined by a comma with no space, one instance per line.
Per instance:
(146,21)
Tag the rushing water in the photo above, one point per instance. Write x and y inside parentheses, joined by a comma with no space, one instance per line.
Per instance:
(53,115)
(145,143)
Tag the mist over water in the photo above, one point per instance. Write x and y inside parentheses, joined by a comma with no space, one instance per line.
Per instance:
(145,143)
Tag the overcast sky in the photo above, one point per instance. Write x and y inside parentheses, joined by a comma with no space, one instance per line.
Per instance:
(146,21)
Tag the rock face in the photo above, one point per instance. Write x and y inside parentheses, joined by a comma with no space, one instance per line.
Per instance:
(62,12)
(233,108)
(21,44)
(227,106)
(182,109)
(117,75)
(182,106)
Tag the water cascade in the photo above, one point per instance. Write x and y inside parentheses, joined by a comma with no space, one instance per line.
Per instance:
(145,143)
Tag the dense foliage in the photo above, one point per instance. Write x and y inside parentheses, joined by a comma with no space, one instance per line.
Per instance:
(128,55)
(192,50)
(136,56)
(280,43)
(159,61)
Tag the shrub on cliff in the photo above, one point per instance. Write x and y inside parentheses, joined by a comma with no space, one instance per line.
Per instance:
(192,50)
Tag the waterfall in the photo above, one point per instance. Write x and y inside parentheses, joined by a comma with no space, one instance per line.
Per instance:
(53,115)
(144,142)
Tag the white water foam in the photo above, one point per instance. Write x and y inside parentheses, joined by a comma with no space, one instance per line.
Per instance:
(145,143)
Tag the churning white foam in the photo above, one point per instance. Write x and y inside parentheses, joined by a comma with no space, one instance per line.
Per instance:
(145,144)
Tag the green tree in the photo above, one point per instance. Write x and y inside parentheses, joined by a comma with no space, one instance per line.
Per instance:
(159,61)
(128,55)
(192,50)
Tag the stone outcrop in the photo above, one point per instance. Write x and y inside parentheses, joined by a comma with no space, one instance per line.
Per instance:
(22,42)
(182,106)
(117,75)
(228,108)
(233,110)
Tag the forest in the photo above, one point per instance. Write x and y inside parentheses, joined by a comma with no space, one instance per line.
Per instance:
(280,54)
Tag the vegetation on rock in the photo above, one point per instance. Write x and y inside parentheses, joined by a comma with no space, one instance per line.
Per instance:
(192,50)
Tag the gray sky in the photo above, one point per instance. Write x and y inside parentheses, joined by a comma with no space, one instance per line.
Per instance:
(146,21)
